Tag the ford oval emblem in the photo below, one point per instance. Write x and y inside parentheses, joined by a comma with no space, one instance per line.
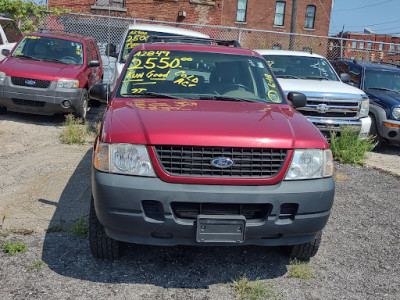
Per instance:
(30,82)
(222,162)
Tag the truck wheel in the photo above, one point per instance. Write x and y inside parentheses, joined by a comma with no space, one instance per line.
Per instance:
(81,110)
(101,246)
(306,250)
(3,110)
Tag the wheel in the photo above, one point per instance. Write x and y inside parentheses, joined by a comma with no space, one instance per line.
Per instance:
(306,250)
(373,131)
(101,246)
(3,110)
(235,86)
(81,110)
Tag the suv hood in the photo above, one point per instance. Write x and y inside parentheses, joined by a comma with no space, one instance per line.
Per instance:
(317,86)
(209,123)
(36,69)
(390,98)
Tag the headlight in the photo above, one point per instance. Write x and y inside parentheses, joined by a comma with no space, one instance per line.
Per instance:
(68,83)
(364,110)
(396,113)
(126,159)
(2,77)
(310,164)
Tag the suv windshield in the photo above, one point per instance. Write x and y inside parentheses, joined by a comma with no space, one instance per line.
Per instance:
(199,75)
(137,37)
(289,66)
(49,49)
(382,80)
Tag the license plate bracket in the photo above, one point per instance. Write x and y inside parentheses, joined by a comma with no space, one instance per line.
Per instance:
(220,229)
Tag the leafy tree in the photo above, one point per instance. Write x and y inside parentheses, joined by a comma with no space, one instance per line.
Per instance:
(30,14)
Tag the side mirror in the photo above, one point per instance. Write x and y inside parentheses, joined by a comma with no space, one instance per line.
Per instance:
(100,92)
(345,77)
(297,99)
(111,50)
(93,63)
(5,52)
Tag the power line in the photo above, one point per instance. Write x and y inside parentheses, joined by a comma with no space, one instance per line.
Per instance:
(347,9)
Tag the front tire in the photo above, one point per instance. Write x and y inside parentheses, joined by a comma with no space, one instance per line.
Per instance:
(101,246)
(304,252)
(81,110)
(373,131)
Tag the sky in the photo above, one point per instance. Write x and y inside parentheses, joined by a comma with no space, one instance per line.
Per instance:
(382,16)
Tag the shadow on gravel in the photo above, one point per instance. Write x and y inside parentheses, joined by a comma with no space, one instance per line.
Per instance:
(168,267)
(55,120)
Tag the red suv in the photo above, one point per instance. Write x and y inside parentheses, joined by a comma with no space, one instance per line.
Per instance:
(48,73)
(199,146)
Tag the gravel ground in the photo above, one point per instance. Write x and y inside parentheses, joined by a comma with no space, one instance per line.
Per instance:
(44,184)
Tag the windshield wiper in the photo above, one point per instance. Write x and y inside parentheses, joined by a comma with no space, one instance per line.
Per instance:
(27,56)
(53,60)
(287,76)
(316,77)
(157,95)
(227,98)
(383,89)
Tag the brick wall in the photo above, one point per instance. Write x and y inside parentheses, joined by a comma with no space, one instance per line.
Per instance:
(260,13)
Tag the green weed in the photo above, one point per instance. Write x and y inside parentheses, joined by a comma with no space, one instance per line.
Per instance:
(253,290)
(348,148)
(75,132)
(300,270)
(14,248)
(37,265)
(81,228)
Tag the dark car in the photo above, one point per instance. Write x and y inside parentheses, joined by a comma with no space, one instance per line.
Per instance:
(48,73)
(382,85)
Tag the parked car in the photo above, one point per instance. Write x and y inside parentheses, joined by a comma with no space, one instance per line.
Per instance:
(331,104)
(137,34)
(48,73)
(382,85)
(9,33)
(199,146)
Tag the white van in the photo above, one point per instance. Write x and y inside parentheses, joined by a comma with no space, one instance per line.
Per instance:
(9,34)
(138,34)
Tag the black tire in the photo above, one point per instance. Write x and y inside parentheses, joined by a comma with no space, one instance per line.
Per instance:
(373,131)
(304,251)
(82,108)
(3,110)
(101,246)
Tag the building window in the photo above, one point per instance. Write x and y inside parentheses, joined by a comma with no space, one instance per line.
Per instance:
(361,44)
(310,16)
(398,48)
(369,44)
(241,11)
(111,3)
(354,44)
(277,47)
(380,46)
(280,13)
(391,47)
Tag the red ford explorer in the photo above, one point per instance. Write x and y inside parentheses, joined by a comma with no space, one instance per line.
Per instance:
(199,146)
(48,73)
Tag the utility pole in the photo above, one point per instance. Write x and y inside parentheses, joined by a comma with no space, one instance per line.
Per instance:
(293,24)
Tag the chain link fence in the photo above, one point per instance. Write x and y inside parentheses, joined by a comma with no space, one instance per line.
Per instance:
(109,29)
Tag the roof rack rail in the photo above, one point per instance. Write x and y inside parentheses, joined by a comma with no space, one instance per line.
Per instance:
(228,43)
(347,58)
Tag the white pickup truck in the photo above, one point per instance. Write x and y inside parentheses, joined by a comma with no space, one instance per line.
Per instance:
(9,34)
(331,104)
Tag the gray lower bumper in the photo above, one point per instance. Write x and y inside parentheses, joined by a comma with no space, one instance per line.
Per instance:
(334,125)
(45,101)
(120,206)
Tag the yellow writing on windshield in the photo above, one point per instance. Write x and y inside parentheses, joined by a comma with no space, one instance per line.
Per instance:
(152,53)
(270,62)
(273,96)
(138,90)
(270,80)
(186,80)
(32,37)
(135,38)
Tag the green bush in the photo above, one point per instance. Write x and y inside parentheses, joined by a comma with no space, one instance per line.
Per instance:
(74,131)
(14,248)
(348,148)
(253,290)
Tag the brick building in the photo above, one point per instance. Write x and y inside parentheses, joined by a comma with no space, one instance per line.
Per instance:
(298,16)
(367,46)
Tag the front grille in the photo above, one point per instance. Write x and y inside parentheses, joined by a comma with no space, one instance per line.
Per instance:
(36,83)
(331,107)
(194,161)
(189,210)
(29,102)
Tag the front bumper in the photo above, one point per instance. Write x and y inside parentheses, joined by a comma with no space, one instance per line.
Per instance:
(390,130)
(44,101)
(334,125)
(142,210)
